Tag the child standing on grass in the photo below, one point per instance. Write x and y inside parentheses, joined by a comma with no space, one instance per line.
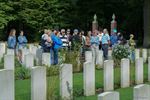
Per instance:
(22,42)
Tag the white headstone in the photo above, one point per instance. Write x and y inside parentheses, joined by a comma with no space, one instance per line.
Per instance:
(39,56)
(144,55)
(33,50)
(29,60)
(30,47)
(149,69)
(89,79)
(1,57)
(108,75)
(125,73)
(88,56)
(137,54)
(7,85)
(10,52)
(148,52)
(66,81)
(24,52)
(9,62)
(109,54)
(142,92)
(100,58)
(38,83)
(2,48)
(46,59)
(109,96)
(139,71)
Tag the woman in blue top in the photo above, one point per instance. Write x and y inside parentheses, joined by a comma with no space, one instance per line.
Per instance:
(95,45)
(12,39)
(57,44)
(22,42)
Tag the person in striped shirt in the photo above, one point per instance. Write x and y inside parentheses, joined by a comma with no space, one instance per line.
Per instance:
(64,39)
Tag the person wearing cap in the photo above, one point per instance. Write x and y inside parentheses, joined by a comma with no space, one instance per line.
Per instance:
(105,43)
(64,39)
(75,41)
(132,47)
(113,38)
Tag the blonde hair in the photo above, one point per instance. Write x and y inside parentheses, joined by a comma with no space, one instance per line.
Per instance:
(49,31)
(45,31)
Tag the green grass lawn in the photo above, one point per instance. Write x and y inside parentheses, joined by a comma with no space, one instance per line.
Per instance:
(23,87)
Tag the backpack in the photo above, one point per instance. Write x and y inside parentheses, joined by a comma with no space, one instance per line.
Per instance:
(42,42)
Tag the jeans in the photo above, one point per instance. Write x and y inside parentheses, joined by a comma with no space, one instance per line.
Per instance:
(54,56)
(105,51)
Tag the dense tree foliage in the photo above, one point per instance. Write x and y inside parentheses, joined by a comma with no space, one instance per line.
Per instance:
(35,15)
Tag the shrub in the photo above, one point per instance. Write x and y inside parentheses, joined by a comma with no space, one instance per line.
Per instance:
(119,52)
(53,70)
(51,88)
(77,92)
(71,57)
(2,63)
(22,73)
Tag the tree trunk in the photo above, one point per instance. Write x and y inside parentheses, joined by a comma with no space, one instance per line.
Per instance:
(146,42)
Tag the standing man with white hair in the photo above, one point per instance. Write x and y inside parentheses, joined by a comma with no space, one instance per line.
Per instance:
(64,39)
(105,43)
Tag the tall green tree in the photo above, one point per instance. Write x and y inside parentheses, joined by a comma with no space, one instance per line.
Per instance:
(45,13)
(6,15)
(34,15)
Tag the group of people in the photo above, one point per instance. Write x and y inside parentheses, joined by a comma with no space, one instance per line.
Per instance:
(17,43)
(53,40)
(90,41)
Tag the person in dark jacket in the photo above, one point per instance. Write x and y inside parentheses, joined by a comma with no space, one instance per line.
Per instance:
(46,41)
(76,40)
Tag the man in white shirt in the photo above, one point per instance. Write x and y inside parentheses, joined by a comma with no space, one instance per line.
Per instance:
(64,39)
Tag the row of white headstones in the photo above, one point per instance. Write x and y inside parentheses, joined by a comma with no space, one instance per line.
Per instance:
(29,56)
(141,91)
(38,75)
